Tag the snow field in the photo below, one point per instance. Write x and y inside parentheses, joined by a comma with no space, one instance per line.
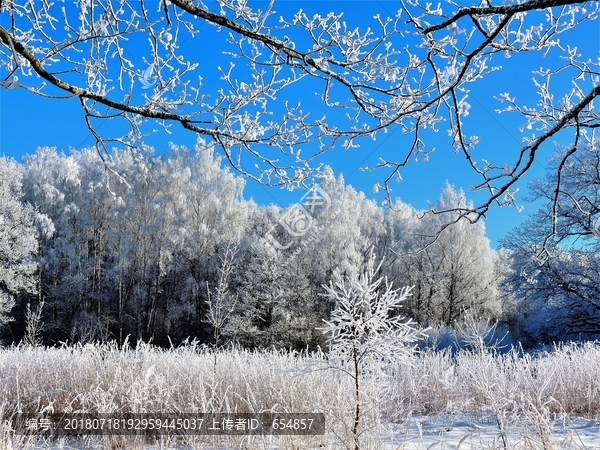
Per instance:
(432,400)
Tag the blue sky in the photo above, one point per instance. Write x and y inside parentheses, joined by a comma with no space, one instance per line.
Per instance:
(27,121)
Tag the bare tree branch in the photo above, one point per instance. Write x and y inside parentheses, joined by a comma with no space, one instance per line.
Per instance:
(509,10)
(411,72)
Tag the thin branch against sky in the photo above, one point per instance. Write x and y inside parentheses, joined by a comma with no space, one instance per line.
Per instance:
(266,104)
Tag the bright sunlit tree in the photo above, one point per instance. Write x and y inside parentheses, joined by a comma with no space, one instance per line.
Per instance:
(18,239)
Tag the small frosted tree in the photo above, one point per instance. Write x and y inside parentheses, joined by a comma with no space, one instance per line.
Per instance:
(365,329)
(221,303)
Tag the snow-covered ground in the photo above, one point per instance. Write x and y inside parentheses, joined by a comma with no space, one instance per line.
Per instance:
(480,431)
(419,432)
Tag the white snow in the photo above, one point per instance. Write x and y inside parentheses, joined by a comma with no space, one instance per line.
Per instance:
(419,432)
(480,431)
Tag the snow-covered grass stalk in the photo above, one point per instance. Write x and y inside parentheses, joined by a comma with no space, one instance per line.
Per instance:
(8,439)
(34,325)
(519,389)
(94,378)
(528,388)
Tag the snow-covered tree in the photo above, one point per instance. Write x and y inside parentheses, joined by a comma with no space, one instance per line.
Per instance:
(342,225)
(366,327)
(570,198)
(72,191)
(465,264)
(220,301)
(409,262)
(556,268)
(261,311)
(352,225)
(18,239)
(453,271)
(208,213)
(556,297)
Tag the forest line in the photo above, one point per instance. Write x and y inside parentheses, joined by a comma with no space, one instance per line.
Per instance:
(137,246)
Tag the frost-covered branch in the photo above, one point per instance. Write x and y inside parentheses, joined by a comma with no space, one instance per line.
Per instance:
(136,64)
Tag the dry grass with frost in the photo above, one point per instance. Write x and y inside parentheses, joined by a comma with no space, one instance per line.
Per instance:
(104,378)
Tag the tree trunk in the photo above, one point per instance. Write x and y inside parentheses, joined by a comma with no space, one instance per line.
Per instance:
(355,430)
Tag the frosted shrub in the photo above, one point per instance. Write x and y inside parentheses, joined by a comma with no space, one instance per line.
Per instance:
(468,334)
(481,335)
